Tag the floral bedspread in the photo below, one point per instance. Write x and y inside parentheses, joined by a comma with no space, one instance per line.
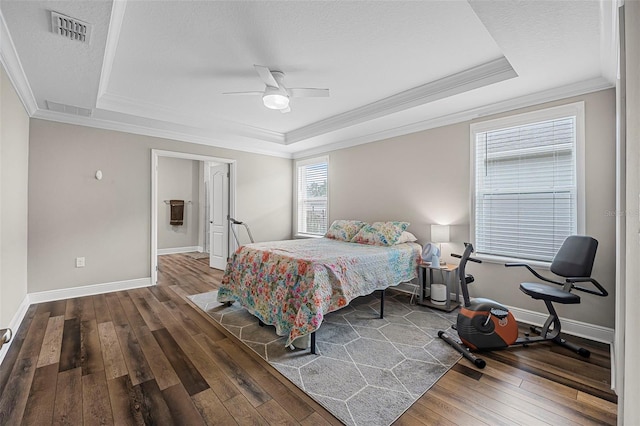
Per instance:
(292,284)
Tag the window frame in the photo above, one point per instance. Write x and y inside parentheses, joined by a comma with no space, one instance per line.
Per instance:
(302,163)
(576,110)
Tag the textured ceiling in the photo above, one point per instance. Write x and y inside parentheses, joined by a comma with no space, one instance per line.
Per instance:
(161,67)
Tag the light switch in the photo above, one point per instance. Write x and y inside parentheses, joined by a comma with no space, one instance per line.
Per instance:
(79,262)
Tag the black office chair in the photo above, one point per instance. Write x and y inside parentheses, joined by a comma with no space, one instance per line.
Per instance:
(573,262)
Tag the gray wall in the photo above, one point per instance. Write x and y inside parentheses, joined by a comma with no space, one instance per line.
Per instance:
(423,178)
(178,179)
(14,161)
(72,214)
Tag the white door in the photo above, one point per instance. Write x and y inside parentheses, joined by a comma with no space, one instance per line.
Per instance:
(218,214)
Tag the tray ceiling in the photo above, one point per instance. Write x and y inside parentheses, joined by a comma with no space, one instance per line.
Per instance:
(161,68)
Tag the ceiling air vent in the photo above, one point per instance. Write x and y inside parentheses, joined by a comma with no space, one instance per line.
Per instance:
(68,109)
(70,27)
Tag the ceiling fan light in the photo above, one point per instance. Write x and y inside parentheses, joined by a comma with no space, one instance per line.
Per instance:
(275,101)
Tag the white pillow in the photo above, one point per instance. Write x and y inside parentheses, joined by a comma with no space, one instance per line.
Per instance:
(406,237)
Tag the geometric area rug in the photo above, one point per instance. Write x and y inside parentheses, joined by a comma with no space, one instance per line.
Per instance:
(368,371)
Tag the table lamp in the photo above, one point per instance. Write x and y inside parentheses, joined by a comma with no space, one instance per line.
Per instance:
(440,234)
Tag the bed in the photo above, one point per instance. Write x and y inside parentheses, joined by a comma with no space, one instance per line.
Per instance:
(292,284)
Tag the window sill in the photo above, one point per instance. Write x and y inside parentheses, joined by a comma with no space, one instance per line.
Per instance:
(499,259)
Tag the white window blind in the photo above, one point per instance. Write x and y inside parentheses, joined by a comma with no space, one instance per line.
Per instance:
(526,189)
(311,191)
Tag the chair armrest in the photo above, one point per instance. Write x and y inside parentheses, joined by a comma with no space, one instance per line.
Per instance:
(537,275)
(601,290)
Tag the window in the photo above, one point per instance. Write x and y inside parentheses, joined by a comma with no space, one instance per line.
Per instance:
(527,192)
(311,196)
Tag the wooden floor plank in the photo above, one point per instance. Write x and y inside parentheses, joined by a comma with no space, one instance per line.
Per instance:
(39,409)
(137,365)
(101,308)
(243,411)
(153,406)
(274,414)
(15,348)
(118,315)
(112,356)
(90,351)
(125,402)
(244,382)
(223,389)
(96,407)
(212,410)
(181,405)
(189,375)
(70,355)
(432,403)
(160,366)
(16,393)
(565,407)
(55,308)
(52,342)
(150,317)
(32,344)
(68,404)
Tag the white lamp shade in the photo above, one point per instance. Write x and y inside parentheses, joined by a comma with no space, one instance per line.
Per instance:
(440,233)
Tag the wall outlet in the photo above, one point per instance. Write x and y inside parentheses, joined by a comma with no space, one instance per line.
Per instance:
(79,262)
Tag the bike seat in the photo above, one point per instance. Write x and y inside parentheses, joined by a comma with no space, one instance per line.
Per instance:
(548,292)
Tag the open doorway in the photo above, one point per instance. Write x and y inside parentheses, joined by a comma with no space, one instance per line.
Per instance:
(203,188)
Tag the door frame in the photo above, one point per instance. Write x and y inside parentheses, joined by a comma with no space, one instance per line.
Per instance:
(157,153)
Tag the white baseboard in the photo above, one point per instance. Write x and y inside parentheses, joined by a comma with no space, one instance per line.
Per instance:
(176,250)
(14,324)
(569,326)
(87,290)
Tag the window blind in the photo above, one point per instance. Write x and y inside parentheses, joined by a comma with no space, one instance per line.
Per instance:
(312,198)
(526,189)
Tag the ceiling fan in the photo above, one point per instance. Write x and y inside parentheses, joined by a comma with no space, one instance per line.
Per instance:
(276,95)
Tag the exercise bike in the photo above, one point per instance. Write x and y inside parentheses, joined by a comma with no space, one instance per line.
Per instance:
(484,324)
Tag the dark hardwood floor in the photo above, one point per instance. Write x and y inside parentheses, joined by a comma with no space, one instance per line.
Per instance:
(147,356)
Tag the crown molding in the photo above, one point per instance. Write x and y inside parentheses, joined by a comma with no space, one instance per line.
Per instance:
(134,107)
(113,36)
(13,67)
(472,78)
(220,140)
(558,93)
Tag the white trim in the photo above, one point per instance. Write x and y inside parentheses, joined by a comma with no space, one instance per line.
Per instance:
(155,154)
(113,36)
(13,67)
(572,327)
(177,250)
(558,93)
(473,78)
(87,290)
(125,105)
(218,139)
(14,324)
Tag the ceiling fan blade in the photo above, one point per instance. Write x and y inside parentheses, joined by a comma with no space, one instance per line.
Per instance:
(301,92)
(244,93)
(266,76)
(286,110)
